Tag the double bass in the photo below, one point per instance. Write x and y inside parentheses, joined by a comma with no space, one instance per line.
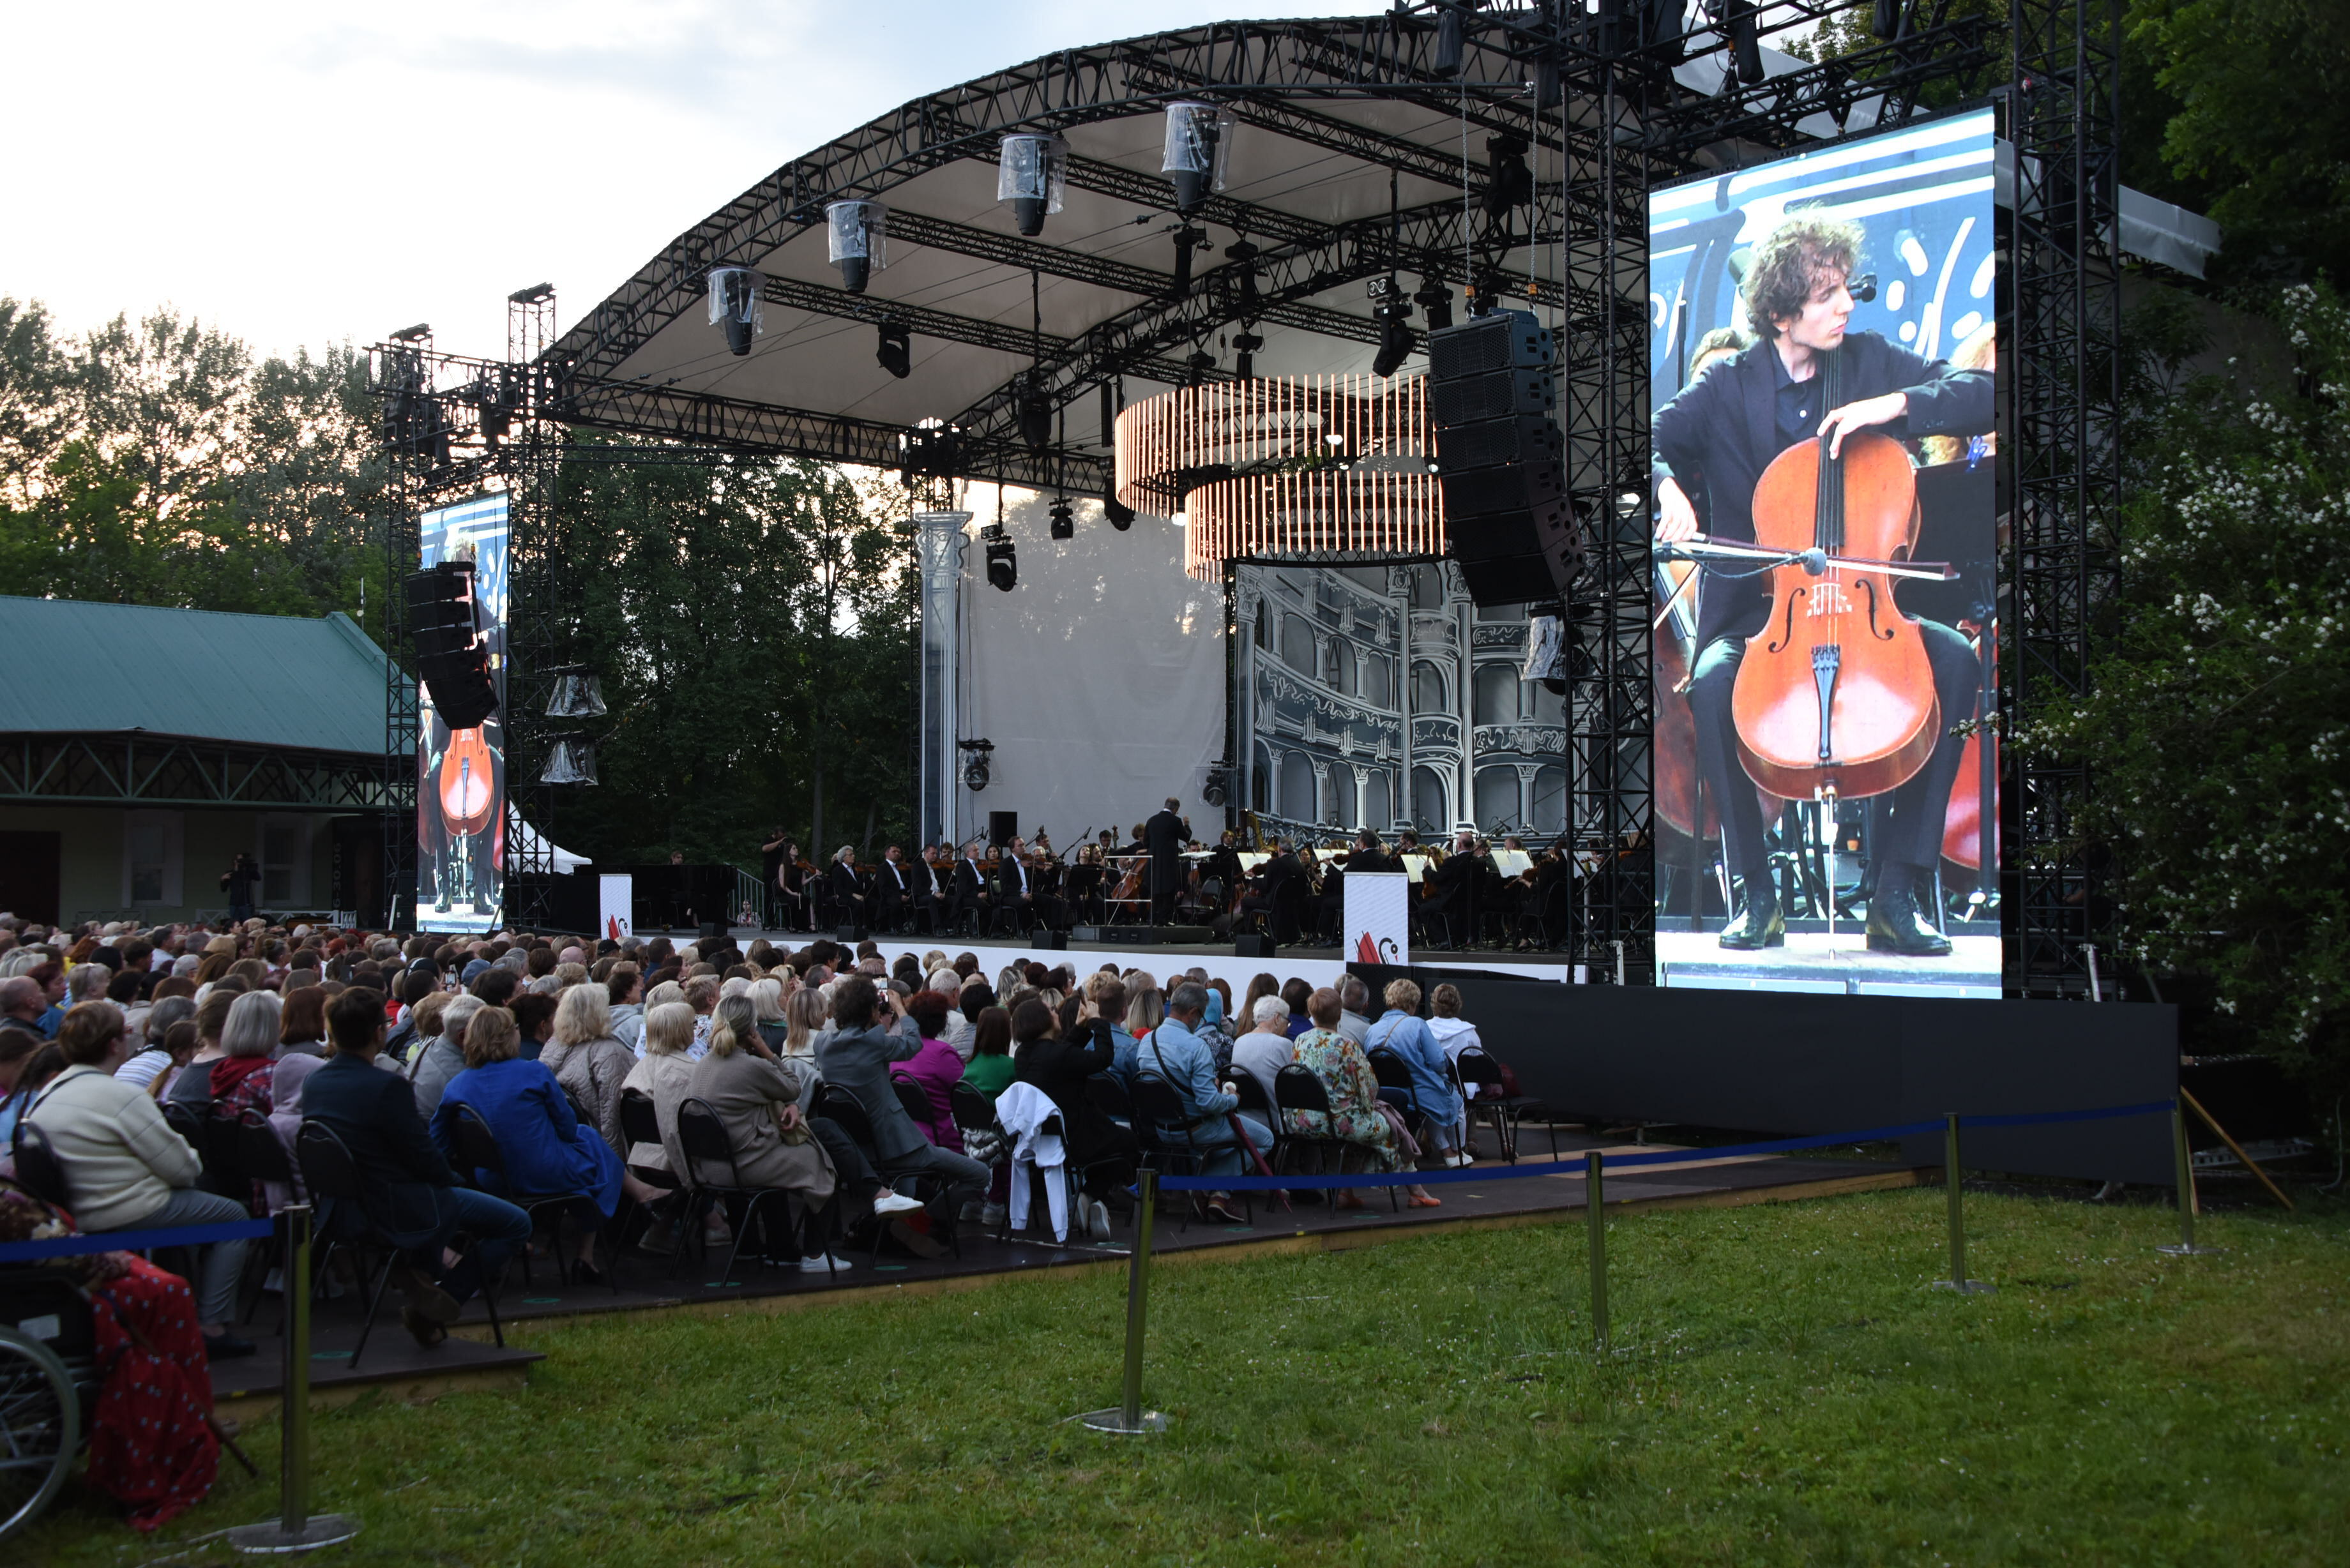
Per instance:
(1835,698)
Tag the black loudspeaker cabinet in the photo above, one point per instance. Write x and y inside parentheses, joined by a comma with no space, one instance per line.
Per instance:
(711,929)
(1502,458)
(1254,945)
(450,662)
(1049,942)
(1002,826)
(849,936)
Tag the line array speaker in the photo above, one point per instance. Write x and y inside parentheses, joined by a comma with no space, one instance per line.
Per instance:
(1502,458)
(450,659)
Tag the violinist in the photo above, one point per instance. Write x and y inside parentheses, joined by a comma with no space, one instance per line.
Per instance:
(1016,890)
(1220,874)
(1550,868)
(1712,442)
(1450,889)
(1083,884)
(774,857)
(893,890)
(971,896)
(1271,878)
(848,887)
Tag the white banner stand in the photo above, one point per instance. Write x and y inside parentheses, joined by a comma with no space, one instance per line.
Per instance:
(616,899)
(1378,918)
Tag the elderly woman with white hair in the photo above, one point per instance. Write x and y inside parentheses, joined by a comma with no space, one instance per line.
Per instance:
(1264,1050)
(441,1059)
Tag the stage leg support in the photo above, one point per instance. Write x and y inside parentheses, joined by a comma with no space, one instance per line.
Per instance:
(1954,1183)
(2185,1247)
(1594,1222)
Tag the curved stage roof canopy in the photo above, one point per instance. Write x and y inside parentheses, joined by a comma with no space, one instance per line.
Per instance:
(1353,154)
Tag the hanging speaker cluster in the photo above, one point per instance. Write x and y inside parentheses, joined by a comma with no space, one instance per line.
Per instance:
(1501,459)
(451,662)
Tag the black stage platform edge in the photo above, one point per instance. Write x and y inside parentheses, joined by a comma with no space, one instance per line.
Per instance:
(394,1361)
(1145,936)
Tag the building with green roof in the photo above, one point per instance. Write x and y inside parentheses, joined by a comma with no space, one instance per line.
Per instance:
(143,747)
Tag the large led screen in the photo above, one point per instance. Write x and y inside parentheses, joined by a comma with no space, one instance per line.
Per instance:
(460,794)
(1825,511)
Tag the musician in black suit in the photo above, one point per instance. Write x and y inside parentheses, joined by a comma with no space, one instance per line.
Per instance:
(971,895)
(680,891)
(1452,888)
(848,887)
(1162,840)
(1274,876)
(892,890)
(930,888)
(1367,858)
(1020,892)
(1807,377)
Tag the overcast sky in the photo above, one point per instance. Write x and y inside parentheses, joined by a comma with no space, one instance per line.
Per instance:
(300,173)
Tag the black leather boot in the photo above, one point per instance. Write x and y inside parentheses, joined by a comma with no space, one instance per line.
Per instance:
(1896,925)
(1760,924)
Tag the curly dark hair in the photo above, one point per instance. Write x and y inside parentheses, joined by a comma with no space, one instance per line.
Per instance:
(1786,267)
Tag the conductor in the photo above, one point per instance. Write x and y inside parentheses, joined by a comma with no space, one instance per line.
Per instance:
(1162,839)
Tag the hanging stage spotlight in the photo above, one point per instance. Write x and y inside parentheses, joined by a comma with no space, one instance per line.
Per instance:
(1187,240)
(734,306)
(1198,151)
(1121,515)
(895,352)
(1064,521)
(1393,312)
(1003,560)
(1244,346)
(1435,303)
(1508,182)
(1034,410)
(1745,47)
(857,235)
(1032,173)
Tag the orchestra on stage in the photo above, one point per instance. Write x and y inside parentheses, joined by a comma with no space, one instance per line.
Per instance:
(1465,890)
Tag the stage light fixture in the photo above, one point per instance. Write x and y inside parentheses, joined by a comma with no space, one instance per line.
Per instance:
(1508,182)
(1198,151)
(1393,313)
(1187,240)
(1121,515)
(857,239)
(895,352)
(1032,173)
(1034,410)
(1745,47)
(1435,302)
(734,306)
(1003,558)
(1244,346)
(570,759)
(1065,520)
(416,334)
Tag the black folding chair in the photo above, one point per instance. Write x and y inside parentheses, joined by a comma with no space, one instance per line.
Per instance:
(1157,1109)
(703,1140)
(263,1157)
(478,1151)
(1298,1088)
(1475,1070)
(1253,1102)
(913,1099)
(836,1105)
(333,1177)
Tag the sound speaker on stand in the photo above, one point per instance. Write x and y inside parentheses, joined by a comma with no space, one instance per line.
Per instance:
(1502,458)
(1253,944)
(1002,828)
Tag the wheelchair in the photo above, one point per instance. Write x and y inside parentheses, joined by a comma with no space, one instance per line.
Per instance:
(48,1388)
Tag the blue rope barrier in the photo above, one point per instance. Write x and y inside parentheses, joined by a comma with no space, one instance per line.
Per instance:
(1573,1166)
(134,1241)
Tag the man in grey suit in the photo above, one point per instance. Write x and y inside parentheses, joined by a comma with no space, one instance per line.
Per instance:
(856,1056)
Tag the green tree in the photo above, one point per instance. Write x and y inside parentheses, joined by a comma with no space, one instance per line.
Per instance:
(2218,722)
(2258,127)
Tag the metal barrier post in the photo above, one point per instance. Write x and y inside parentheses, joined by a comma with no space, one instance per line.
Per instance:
(1594,1220)
(1130,1418)
(1953,1183)
(2185,1247)
(296,1528)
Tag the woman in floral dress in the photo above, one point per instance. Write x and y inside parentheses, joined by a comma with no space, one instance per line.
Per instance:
(1357,1115)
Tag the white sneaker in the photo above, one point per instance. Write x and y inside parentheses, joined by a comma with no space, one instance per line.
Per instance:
(820,1265)
(888,1202)
(1098,1220)
(993,1214)
(1459,1159)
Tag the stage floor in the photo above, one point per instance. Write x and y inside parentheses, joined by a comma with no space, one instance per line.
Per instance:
(1841,965)
(396,1367)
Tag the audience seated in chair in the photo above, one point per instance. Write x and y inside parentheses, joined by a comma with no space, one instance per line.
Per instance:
(1401,1031)
(1357,1115)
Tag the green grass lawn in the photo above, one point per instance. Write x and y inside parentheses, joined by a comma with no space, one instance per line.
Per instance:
(1785,1389)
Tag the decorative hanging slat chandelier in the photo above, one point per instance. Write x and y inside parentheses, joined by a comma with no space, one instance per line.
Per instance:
(1326,468)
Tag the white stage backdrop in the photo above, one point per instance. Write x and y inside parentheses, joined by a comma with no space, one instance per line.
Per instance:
(1100,678)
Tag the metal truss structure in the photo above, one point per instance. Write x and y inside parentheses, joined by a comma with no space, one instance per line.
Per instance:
(1612,98)
(143,770)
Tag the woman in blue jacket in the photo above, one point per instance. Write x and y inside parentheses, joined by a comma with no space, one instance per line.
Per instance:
(548,1149)
(1402,1031)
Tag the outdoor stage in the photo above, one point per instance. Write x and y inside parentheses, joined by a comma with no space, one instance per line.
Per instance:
(394,1366)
